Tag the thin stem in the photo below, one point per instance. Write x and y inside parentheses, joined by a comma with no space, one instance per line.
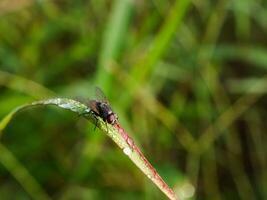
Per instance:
(116,132)
(122,139)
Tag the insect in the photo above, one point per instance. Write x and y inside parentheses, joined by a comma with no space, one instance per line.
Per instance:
(101,108)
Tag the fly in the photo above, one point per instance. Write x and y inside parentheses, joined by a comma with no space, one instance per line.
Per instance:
(101,108)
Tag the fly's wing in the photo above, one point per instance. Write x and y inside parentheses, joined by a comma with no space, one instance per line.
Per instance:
(100,95)
(93,106)
(81,99)
(89,103)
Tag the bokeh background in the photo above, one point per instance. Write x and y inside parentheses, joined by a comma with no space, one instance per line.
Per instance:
(187,78)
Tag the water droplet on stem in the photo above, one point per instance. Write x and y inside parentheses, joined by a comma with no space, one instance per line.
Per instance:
(127,151)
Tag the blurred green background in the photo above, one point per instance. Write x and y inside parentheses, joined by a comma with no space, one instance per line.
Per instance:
(187,79)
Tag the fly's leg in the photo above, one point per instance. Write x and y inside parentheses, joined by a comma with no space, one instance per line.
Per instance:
(86,114)
(96,123)
(96,120)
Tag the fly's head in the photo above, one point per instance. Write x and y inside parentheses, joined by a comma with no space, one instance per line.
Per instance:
(107,114)
(112,118)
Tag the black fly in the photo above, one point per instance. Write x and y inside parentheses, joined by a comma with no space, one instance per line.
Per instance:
(101,108)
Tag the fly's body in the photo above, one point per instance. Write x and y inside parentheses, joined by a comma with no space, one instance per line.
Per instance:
(101,108)
(104,111)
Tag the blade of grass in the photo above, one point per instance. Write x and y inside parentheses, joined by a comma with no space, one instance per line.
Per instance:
(237,169)
(242,13)
(255,55)
(211,77)
(21,174)
(24,85)
(157,48)
(162,40)
(230,115)
(68,104)
(259,148)
(116,133)
(113,39)
(210,175)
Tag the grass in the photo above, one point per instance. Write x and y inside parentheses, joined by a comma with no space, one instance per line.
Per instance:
(186,77)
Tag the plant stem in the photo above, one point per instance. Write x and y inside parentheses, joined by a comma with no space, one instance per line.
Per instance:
(116,132)
(122,139)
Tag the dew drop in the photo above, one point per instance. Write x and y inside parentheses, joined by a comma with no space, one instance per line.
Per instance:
(127,151)
(64,105)
(149,176)
(187,190)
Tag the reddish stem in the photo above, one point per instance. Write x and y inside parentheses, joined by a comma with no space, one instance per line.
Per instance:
(149,170)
